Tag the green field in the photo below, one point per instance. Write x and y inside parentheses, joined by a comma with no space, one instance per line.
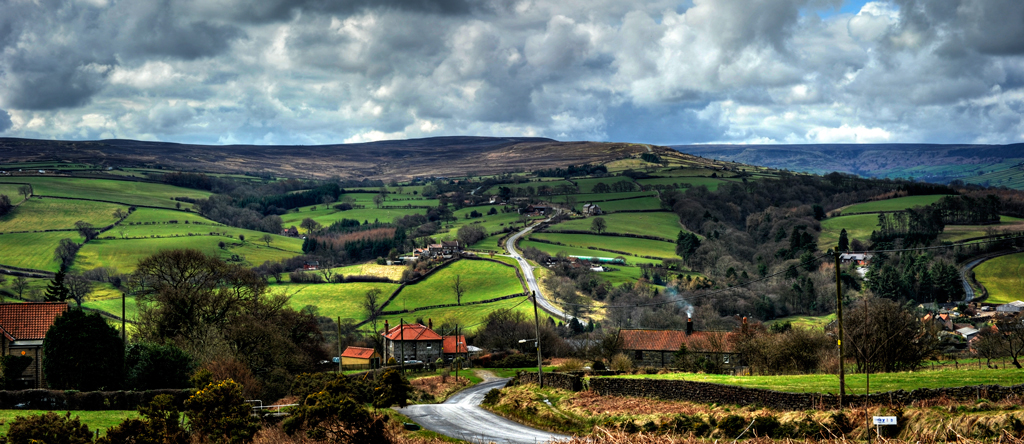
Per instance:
(132,193)
(809,322)
(639,247)
(152,215)
(897,204)
(333,300)
(95,419)
(587,185)
(1003,277)
(575,251)
(11,191)
(661,224)
(880,382)
(33,250)
(113,306)
(327,216)
(470,317)
(482,279)
(641,203)
(857,226)
(489,243)
(48,214)
(543,182)
(711,183)
(601,197)
(126,254)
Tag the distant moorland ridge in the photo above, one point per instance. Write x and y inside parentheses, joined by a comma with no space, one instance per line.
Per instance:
(398,159)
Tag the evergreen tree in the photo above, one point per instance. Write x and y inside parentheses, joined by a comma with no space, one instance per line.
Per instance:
(844,241)
(56,291)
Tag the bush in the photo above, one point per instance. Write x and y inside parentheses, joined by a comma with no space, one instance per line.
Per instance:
(492,397)
(571,365)
(161,425)
(13,365)
(516,360)
(393,389)
(598,366)
(153,366)
(82,352)
(220,414)
(621,363)
(305,278)
(732,425)
(48,428)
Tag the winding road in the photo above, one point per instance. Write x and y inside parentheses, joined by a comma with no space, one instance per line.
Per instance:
(461,417)
(531,281)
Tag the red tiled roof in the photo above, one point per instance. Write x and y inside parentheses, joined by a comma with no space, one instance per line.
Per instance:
(451,342)
(29,320)
(413,332)
(358,352)
(671,340)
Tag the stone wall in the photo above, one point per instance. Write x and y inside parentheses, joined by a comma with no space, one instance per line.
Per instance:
(708,393)
(72,400)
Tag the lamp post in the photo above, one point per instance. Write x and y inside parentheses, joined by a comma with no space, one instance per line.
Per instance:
(540,368)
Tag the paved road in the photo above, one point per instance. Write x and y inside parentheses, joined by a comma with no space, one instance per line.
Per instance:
(461,417)
(968,291)
(531,281)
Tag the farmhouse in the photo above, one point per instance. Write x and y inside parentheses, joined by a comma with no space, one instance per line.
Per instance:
(657,348)
(311,265)
(22,330)
(591,209)
(1012,307)
(454,347)
(411,342)
(862,259)
(360,357)
(445,249)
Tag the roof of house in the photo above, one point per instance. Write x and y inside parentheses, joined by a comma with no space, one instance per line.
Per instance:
(29,320)
(411,332)
(454,344)
(855,256)
(358,352)
(967,331)
(671,340)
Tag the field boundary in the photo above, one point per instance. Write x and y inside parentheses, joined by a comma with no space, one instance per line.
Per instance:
(545,241)
(612,234)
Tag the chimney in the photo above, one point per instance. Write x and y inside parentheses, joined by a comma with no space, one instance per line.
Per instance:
(430,323)
(689,326)
(386,328)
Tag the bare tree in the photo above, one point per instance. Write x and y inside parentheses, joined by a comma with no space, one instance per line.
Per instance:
(65,252)
(25,191)
(120,213)
(1013,338)
(86,230)
(598,225)
(327,268)
(372,303)
(122,230)
(989,345)
(267,239)
(78,288)
(19,285)
(309,225)
(378,200)
(459,288)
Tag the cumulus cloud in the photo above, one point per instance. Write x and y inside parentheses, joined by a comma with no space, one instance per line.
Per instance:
(659,71)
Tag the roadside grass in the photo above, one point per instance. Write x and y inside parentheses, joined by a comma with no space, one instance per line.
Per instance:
(857,226)
(11,191)
(896,204)
(489,243)
(126,254)
(806,322)
(482,280)
(512,372)
(711,183)
(639,247)
(576,251)
(638,204)
(1003,277)
(855,382)
(127,192)
(661,224)
(96,420)
(469,317)
(587,185)
(333,300)
(33,250)
(49,214)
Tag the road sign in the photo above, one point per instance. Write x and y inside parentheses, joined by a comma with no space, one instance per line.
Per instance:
(884,420)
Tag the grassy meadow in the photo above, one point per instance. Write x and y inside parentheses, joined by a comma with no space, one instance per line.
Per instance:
(897,204)
(580,251)
(807,322)
(33,250)
(660,224)
(1003,277)
(587,185)
(640,247)
(38,214)
(126,254)
(469,317)
(96,420)
(640,203)
(857,226)
(482,280)
(126,192)
(326,215)
(601,197)
(11,191)
(333,300)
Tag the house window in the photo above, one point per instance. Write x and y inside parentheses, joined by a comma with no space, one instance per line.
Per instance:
(639,355)
(725,359)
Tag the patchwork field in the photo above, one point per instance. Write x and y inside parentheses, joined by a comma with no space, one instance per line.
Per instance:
(639,204)
(132,193)
(469,317)
(11,191)
(153,215)
(664,225)
(333,300)
(33,250)
(857,226)
(327,216)
(112,305)
(601,197)
(1003,277)
(482,280)
(489,243)
(641,247)
(897,204)
(38,214)
(809,322)
(711,183)
(577,251)
(587,185)
(126,254)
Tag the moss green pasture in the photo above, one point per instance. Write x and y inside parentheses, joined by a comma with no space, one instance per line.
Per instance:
(642,203)
(11,191)
(897,204)
(1003,277)
(112,305)
(808,322)
(661,224)
(327,216)
(543,182)
(490,223)
(153,215)
(126,254)
(587,185)
(470,317)
(639,247)
(482,280)
(880,382)
(333,300)
(857,226)
(95,419)
(576,251)
(687,172)
(49,214)
(33,250)
(290,244)
(489,243)
(128,192)
(711,183)
(601,197)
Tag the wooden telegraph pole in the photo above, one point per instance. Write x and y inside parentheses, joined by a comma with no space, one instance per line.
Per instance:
(839,320)
(540,360)
(339,343)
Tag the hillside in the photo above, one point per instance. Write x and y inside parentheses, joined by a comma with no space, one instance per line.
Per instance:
(397,159)
(994,165)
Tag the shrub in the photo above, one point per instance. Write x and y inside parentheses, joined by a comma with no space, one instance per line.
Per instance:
(82,352)
(48,428)
(392,389)
(331,409)
(220,414)
(492,397)
(621,363)
(732,425)
(571,365)
(153,366)
(598,365)
(161,425)
(517,360)
(13,365)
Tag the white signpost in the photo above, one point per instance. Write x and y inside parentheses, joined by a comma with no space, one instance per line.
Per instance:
(881,421)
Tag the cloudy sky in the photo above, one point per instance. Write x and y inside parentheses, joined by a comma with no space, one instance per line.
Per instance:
(663,72)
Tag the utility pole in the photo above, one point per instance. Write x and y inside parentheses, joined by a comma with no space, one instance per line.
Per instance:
(456,364)
(401,332)
(339,343)
(124,339)
(540,360)
(839,320)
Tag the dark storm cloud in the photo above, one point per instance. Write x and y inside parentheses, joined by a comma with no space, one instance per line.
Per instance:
(157,28)
(263,11)
(5,121)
